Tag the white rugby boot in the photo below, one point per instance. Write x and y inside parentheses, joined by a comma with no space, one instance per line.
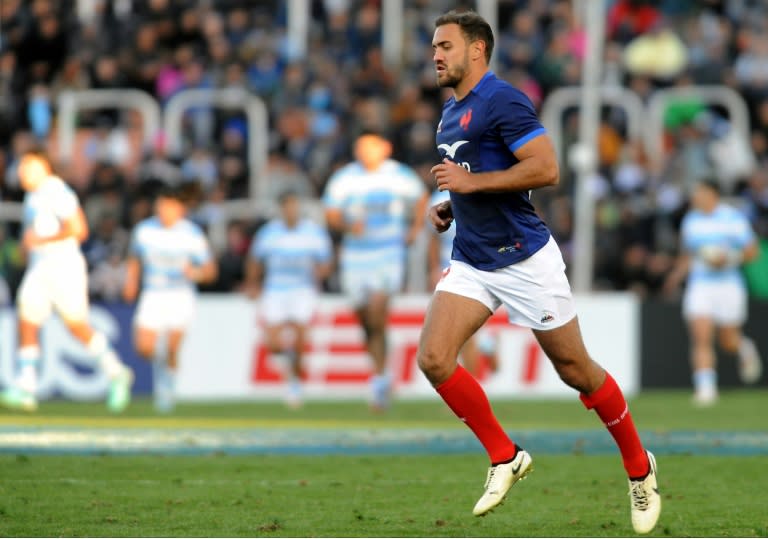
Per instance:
(644,498)
(750,364)
(500,479)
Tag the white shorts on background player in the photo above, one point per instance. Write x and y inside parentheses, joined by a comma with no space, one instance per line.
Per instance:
(165,309)
(280,306)
(56,281)
(725,302)
(535,291)
(359,284)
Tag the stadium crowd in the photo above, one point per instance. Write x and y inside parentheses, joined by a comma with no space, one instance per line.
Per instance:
(318,103)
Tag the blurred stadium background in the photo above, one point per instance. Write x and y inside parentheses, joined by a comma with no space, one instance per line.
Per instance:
(249,98)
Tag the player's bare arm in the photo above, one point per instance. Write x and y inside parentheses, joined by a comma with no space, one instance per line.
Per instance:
(132,277)
(537,167)
(203,273)
(254,274)
(441,216)
(334,217)
(75,226)
(419,214)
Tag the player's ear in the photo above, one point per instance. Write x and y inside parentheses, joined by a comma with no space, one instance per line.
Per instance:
(478,49)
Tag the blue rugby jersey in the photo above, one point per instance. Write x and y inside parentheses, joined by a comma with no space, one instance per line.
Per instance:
(164,251)
(727,228)
(480,132)
(290,255)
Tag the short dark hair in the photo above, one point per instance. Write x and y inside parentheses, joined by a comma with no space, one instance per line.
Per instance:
(286,195)
(712,184)
(39,153)
(473,26)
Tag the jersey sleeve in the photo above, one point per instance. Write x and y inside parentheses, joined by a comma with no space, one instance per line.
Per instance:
(324,248)
(745,235)
(200,251)
(411,187)
(135,247)
(687,240)
(65,201)
(512,114)
(335,193)
(258,249)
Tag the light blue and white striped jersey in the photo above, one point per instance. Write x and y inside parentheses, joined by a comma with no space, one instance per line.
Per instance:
(44,209)
(164,252)
(446,238)
(726,228)
(290,255)
(382,199)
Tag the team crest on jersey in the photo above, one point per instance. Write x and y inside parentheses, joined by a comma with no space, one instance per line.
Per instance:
(465,119)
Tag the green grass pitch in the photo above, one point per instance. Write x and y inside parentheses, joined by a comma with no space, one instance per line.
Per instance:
(378,495)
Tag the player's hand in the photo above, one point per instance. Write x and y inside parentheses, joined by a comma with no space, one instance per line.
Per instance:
(31,240)
(452,177)
(356,228)
(130,292)
(252,291)
(193,273)
(441,216)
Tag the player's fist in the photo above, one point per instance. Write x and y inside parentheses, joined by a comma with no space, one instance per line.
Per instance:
(452,177)
(441,216)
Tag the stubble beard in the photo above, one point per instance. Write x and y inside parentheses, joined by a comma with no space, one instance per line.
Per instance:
(453,76)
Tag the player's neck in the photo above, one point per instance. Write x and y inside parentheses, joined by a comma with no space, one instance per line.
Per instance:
(466,85)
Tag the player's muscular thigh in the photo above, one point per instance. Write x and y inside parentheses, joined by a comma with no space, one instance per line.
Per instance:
(451,320)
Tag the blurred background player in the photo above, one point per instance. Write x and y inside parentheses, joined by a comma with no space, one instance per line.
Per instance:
(379,205)
(56,279)
(169,255)
(716,239)
(289,257)
(482,345)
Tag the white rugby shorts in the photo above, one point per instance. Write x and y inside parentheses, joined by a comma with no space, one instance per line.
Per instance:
(278,307)
(56,281)
(165,310)
(535,291)
(723,302)
(359,284)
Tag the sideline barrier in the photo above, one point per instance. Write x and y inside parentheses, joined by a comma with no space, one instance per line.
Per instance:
(223,356)
(232,363)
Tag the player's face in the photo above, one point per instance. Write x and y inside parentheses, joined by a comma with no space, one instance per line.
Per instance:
(704,199)
(32,171)
(372,150)
(290,209)
(169,210)
(450,54)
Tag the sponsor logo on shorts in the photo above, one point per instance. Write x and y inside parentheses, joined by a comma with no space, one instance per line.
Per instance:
(547,317)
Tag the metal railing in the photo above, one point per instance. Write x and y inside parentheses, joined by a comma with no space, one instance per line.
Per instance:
(71,102)
(738,114)
(231,98)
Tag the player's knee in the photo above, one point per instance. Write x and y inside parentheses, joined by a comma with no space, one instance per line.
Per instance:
(435,366)
(146,350)
(730,343)
(573,373)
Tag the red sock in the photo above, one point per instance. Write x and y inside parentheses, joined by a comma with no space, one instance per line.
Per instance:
(466,398)
(609,403)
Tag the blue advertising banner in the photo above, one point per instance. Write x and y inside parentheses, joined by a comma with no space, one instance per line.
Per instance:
(66,368)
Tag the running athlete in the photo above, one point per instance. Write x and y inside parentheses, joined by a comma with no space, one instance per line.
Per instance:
(378,204)
(56,279)
(495,151)
(169,255)
(716,239)
(291,256)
